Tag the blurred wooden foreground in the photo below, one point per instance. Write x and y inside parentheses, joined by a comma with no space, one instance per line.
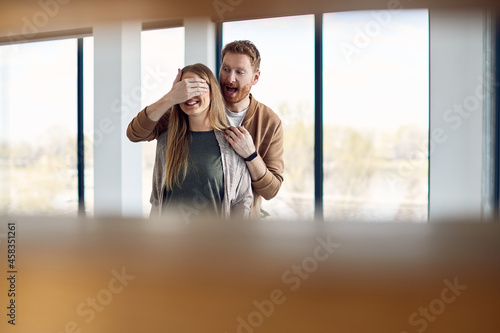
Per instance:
(115,275)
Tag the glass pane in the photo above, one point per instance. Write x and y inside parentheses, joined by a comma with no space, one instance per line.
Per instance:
(376,115)
(286,85)
(162,54)
(38,128)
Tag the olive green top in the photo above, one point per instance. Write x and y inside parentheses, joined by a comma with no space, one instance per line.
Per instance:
(202,190)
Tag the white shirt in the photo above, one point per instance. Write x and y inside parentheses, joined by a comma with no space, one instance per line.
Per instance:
(236,118)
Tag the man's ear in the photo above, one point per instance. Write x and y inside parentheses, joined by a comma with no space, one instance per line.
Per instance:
(256,76)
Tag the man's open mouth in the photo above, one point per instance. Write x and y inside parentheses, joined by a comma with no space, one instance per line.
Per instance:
(231,90)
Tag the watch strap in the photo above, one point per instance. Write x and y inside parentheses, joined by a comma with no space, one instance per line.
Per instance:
(251,157)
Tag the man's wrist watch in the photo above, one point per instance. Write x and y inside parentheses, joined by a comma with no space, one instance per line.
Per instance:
(251,157)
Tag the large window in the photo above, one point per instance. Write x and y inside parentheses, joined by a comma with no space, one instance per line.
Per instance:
(375,111)
(286,85)
(38,128)
(376,115)
(38,119)
(162,54)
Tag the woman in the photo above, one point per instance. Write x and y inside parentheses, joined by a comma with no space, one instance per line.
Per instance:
(196,171)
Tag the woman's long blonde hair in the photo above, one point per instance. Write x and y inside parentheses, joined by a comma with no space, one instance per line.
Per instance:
(178,127)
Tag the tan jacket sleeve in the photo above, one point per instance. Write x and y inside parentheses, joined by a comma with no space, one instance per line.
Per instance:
(141,128)
(269,185)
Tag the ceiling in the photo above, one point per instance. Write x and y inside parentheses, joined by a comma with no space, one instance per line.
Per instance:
(30,19)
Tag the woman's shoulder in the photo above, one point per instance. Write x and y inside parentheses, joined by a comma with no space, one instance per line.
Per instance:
(223,144)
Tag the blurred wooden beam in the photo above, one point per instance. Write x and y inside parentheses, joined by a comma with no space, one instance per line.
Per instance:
(116,275)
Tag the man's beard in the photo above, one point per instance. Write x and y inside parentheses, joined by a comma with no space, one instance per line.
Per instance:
(240,95)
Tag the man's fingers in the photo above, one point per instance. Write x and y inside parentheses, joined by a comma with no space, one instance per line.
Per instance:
(237,131)
(196,87)
(230,140)
(178,77)
(194,79)
(188,88)
(242,129)
(190,82)
(197,92)
(231,131)
(196,82)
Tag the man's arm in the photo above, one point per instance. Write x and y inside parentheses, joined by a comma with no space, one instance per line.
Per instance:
(266,173)
(243,145)
(141,128)
(146,126)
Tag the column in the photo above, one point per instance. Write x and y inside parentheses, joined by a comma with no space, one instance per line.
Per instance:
(117,98)
(200,36)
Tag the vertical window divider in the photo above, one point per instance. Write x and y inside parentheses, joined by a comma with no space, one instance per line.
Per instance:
(218,47)
(80,138)
(318,118)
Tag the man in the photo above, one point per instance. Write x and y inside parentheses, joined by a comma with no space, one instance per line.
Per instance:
(256,133)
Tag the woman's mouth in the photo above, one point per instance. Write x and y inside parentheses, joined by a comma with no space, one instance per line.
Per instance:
(191,103)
